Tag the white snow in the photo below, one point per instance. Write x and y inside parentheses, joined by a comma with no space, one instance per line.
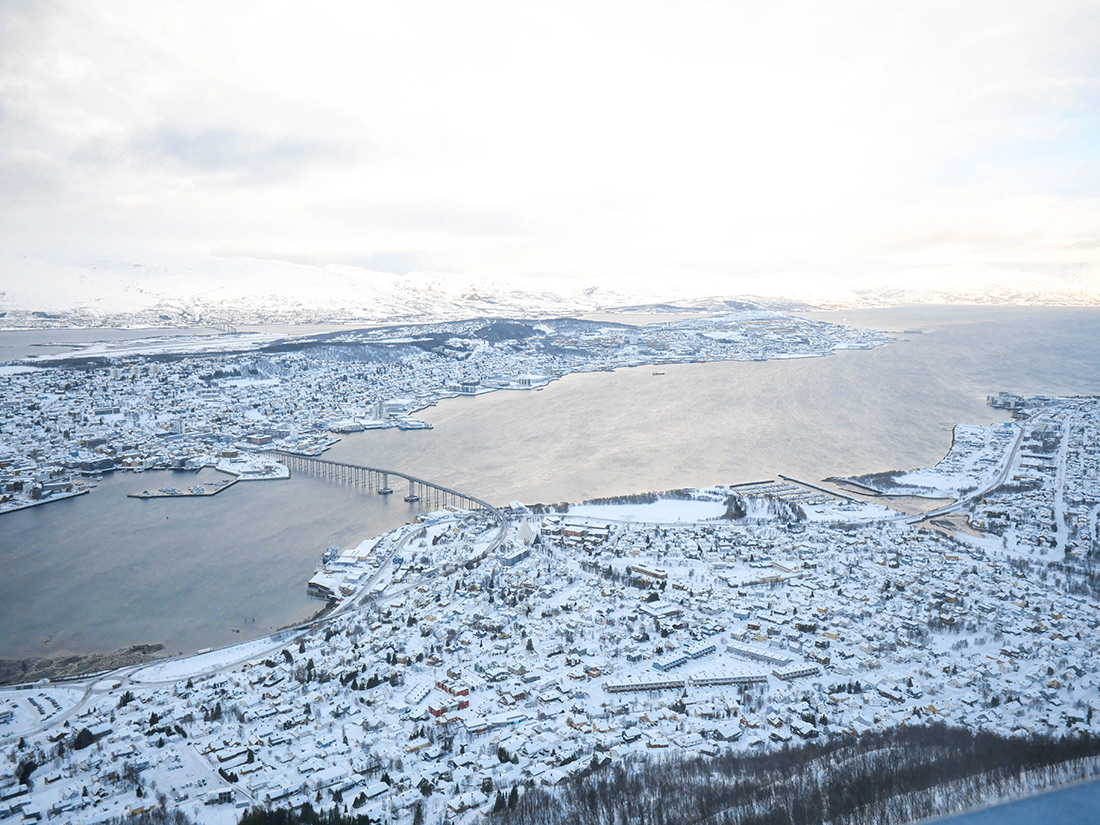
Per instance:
(156,289)
(202,663)
(663,511)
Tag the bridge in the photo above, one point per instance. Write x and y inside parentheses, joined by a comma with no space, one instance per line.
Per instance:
(425,494)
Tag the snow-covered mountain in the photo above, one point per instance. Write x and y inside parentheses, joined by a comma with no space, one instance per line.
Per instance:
(1076,284)
(209,290)
(244,290)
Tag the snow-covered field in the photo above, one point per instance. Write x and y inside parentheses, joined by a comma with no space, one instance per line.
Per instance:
(664,511)
(203,663)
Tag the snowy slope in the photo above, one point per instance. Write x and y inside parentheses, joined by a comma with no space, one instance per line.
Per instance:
(983,284)
(243,290)
(246,290)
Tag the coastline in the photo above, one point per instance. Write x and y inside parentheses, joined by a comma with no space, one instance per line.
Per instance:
(32,669)
(78,666)
(55,497)
(1001,803)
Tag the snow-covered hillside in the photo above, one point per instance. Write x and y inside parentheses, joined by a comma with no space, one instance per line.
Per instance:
(245,290)
(209,290)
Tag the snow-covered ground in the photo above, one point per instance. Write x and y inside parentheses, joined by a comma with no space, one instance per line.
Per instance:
(201,664)
(253,468)
(978,455)
(131,412)
(663,511)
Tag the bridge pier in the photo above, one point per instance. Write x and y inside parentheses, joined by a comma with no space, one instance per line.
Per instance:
(429,496)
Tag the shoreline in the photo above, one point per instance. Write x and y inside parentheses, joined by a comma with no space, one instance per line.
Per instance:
(76,666)
(990,806)
(56,497)
(80,666)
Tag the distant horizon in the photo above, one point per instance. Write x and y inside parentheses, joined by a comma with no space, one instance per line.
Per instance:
(183,290)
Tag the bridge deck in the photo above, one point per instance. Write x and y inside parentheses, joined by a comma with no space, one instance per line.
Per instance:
(303,461)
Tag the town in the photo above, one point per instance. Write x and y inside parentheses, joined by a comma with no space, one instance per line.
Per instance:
(473,654)
(65,419)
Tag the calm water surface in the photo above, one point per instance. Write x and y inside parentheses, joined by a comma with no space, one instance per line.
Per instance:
(103,571)
(890,408)
(1075,805)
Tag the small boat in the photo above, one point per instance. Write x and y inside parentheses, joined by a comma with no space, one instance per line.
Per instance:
(411,497)
(385,491)
(658,373)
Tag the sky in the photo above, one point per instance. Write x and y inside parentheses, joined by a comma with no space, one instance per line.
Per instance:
(646,140)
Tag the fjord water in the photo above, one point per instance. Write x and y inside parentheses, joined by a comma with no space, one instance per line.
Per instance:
(893,407)
(102,571)
(1076,804)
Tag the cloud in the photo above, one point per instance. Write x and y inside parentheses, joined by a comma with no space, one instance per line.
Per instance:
(424,216)
(253,158)
(27,179)
(577,138)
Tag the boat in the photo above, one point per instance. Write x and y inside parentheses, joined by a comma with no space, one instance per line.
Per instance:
(331,554)
(658,373)
(385,491)
(412,424)
(411,497)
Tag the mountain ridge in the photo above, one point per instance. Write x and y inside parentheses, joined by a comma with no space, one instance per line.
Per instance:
(210,290)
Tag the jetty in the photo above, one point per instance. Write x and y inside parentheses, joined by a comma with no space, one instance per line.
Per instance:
(206,488)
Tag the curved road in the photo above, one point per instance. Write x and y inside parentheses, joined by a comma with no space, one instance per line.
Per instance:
(973,497)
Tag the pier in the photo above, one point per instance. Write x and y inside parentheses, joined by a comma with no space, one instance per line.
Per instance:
(424,494)
(208,488)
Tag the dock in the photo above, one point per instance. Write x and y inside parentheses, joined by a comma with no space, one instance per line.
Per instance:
(210,488)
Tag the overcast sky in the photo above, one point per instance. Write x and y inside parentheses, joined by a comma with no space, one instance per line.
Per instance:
(564,138)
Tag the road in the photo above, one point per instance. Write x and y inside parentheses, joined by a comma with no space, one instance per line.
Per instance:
(973,497)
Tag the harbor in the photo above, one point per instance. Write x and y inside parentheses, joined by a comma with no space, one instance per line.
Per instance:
(209,488)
